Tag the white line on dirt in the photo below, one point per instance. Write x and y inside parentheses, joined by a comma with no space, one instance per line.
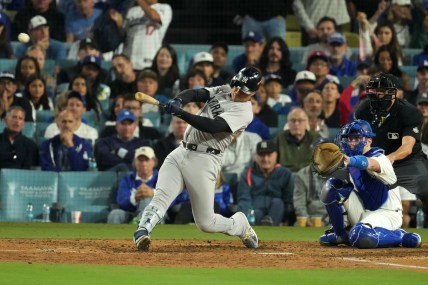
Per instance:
(273,253)
(385,263)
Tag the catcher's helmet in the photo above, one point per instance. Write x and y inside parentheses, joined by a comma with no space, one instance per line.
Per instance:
(359,131)
(248,80)
(381,90)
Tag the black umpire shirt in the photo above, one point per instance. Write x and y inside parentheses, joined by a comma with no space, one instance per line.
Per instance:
(404,120)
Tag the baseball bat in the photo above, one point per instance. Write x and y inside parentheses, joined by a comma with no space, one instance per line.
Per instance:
(142,97)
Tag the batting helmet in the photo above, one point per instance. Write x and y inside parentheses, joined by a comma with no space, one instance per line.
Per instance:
(359,131)
(381,90)
(248,80)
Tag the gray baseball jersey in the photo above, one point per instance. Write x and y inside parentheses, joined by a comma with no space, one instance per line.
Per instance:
(237,115)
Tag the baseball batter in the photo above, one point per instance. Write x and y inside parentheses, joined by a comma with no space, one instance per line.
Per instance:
(370,204)
(197,162)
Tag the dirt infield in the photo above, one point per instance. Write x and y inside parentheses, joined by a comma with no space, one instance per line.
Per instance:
(211,254)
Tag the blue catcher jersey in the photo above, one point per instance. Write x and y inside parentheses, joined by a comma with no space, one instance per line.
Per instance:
(372,191)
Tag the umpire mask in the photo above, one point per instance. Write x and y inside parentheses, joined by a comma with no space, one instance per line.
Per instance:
(381,90)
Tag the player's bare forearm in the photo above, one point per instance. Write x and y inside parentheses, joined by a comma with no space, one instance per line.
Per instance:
(151,13)
(404,150)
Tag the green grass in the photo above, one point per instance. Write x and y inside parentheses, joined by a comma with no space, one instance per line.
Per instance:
(46,274)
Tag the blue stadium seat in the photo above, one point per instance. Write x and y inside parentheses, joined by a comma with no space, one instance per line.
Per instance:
(44,115)
(154,117)
(8,64)
(89,192)
(20,187)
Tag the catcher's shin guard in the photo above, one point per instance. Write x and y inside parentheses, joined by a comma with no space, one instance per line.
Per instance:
(333,194)
(363,236)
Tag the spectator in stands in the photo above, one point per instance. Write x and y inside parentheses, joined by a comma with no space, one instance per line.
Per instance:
(36,93)
(140,45)
(303,84)
(295,144)
(422,88)
(204,61)
(65,151)
(340,65)
(386,61)
(350,98)
(78,25)
(309,13)
(330,110)
(25,67)
(240,153)
(81,84)
(313,105)
(266,114)
(420,33)
(372,10)
(194,78)
(384,34)
(46,9)
(116,153)
(326,26)
(115,108)
(267,18)
(147,82)
(278,101)
(39,32)
(9,96)
(137,189)
(219,52)
(39,53)
(166,67)
(256,125)
(16,150)
(141,131)
(93,71)
(6,50)
(275,59)
(306,196)
(400,15)
(253,45)
(167,144)
(319,64)
(267,188)
(76,104)
(125,76)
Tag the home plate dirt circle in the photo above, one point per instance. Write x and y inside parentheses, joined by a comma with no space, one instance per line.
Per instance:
(211,254)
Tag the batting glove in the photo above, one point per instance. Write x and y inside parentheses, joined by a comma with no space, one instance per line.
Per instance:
(173,107)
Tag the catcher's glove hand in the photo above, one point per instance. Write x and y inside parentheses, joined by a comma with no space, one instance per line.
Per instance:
(327,158)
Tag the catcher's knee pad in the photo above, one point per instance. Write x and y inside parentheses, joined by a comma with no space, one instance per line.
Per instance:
(363,236)
(330,190)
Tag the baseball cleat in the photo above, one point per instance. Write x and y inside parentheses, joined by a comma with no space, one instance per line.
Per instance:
(142,239)
(331,239)
(411,240)
(250,239)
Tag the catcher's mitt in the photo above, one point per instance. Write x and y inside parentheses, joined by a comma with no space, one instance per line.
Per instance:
(327,158)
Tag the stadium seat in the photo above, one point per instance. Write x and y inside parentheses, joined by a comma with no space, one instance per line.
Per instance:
(8,64)
(154,117)
(43,115)
(91,192)
(293,39)
(352,39)
(20,187)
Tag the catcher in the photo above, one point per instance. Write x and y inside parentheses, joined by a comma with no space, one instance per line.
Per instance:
(366,212)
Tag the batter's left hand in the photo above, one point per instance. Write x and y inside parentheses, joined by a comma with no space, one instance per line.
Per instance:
(173,107)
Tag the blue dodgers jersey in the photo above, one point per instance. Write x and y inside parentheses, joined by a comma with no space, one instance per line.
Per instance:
(372,191)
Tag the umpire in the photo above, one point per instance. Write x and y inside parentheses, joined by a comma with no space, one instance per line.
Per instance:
(397,126)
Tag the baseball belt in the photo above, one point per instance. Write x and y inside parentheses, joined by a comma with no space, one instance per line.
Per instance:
(200,148)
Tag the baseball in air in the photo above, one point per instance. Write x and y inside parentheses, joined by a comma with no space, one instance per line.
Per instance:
(23,38)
